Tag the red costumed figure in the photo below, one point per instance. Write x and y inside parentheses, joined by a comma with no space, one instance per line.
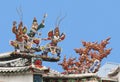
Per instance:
(55,37)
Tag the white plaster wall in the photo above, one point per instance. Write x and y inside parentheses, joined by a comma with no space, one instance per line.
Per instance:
(16,78)
(119,77)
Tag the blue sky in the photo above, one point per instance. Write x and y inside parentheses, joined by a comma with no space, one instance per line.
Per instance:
(89,20)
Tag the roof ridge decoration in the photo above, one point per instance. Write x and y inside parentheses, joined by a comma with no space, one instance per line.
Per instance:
(27,43)
(89,58)
(24,41)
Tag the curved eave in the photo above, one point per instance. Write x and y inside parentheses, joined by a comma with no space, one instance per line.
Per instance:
(11,56)
(5,55)
(13,69)
(114,72)
(6,70)
(109,79)
(71,75)
(50,59)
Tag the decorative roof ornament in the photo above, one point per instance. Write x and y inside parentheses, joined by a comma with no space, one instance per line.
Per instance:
(24,55)
(25,50)
(24,43)
(89,57)
(55,37)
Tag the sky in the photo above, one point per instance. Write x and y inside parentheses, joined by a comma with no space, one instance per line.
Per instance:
(88,20)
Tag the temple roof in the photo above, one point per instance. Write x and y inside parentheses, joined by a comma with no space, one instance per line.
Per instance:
(11,56)
(72,75)
(107,71)
(114,71)
(22,69)
(106,68)
(4,55)
(13,69)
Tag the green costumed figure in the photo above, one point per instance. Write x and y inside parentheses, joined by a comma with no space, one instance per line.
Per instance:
(35,27)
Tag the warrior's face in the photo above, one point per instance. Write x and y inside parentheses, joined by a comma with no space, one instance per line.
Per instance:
(20,29)
(35,25)
(56,33)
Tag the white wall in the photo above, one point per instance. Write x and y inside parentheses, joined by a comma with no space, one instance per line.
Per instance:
(16,78)
(119,77)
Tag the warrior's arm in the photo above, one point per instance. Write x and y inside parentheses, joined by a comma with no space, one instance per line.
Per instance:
(41,25)
(62,37)
(46,38)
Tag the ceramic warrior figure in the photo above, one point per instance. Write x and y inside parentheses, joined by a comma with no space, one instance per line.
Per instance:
(34,30)
(55,37)
(21,36)
(35,27)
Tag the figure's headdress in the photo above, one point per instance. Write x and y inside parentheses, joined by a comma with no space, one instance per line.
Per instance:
(34,20)
(56,30)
